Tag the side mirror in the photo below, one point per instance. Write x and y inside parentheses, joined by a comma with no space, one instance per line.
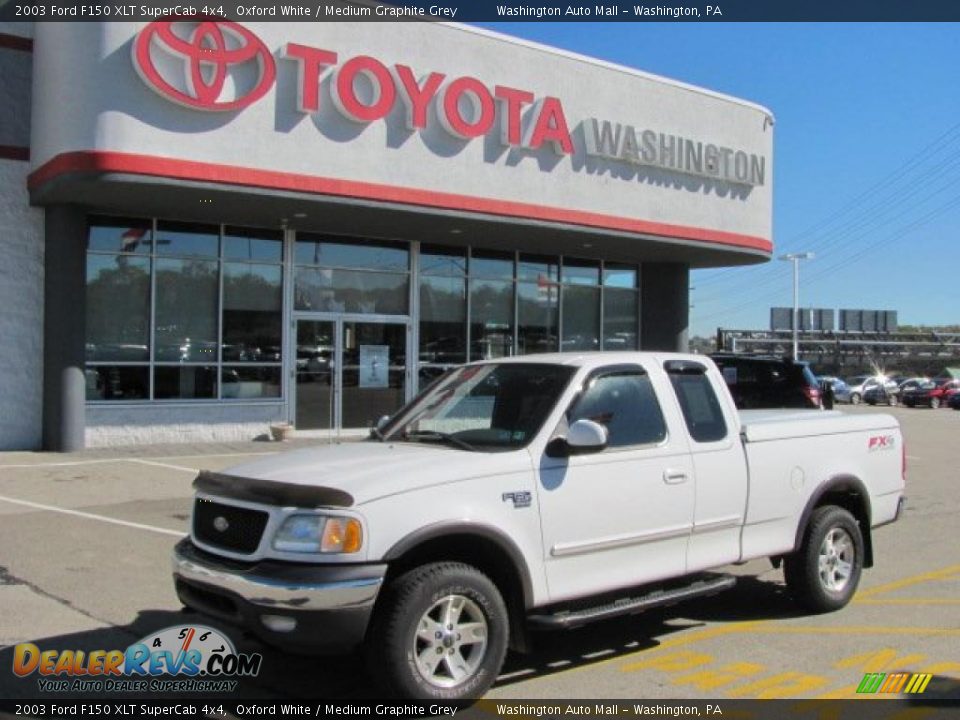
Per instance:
(583,437)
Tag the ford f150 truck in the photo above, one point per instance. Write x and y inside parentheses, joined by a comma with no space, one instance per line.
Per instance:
(537,492)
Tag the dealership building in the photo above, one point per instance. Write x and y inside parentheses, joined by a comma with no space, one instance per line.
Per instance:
(208,227)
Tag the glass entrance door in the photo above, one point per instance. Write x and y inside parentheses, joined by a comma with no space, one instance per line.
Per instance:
(316,363)
(350,371)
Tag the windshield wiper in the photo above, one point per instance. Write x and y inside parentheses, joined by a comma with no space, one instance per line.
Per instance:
(441,436)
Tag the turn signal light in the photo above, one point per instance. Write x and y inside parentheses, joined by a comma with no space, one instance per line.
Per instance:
(341,535)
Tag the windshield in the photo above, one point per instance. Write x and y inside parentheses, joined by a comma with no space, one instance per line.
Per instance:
(487,408)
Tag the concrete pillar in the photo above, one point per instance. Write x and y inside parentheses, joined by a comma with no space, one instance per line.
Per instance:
(64,329)
(664,306)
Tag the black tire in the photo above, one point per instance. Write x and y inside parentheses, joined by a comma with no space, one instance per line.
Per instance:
(394,647)
(855,398)
(820,592)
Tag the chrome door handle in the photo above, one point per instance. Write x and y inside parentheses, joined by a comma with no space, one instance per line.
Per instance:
(674,477)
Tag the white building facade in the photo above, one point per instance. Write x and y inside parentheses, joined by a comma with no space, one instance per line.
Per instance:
(214,226)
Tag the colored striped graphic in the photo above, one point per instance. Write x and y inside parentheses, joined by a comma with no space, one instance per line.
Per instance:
(913,683)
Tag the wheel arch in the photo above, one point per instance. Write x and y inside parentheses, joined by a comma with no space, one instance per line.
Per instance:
(481,546)
(850,493)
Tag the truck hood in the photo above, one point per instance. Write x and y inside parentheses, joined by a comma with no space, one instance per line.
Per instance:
(354,473)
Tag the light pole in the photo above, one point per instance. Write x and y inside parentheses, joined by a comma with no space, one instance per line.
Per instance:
(795,258)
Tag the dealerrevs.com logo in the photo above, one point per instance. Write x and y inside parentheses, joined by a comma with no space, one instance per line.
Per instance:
(191,658)
(204,63)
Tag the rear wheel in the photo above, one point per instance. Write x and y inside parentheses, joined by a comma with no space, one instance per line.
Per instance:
(440,633)
(824,573)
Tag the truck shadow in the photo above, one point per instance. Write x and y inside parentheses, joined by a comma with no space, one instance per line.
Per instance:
(286,676)
(751,598)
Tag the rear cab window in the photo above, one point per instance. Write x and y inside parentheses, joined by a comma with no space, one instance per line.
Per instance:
(698,401)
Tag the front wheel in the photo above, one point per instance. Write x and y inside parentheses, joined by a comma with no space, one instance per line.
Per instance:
(855,399)
(440,633)
(824,573)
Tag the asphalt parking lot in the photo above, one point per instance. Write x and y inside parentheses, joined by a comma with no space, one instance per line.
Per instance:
(85,541)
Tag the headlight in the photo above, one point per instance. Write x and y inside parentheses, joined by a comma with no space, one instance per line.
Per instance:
(318,533)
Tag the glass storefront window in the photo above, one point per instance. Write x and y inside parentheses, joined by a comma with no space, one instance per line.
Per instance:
(581,318)
(442,261)
(118,382)
(252,244)
(492,265)
(351,291)
(619,276)
(120,235)
(252,312)
(118,308)
(580,272)
(538,269)
(186,311)
(339,253)
(187,239)
(620,319)
(538,314)
(443,320)
(185,382)
(246,382)
(491,319)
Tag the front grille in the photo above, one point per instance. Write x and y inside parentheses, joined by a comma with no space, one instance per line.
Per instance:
(229,527)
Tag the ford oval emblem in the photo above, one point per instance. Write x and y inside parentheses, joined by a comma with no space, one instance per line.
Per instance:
(221,523)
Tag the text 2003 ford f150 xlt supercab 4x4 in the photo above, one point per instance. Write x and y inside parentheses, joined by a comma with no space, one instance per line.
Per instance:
(543,491)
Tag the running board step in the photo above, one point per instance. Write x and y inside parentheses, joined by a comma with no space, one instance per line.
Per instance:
(567,619)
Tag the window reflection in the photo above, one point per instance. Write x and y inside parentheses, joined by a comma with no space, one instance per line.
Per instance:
(186,311)
(118,307)
(252,312)
(192,239)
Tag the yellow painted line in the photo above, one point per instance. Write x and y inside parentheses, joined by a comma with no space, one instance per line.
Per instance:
(857,630)
(941,574)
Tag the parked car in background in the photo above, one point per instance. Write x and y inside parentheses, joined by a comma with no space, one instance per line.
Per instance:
(759,382)
(841,391)
(930,393)
(912,383)
(859,384)
(882,394)
(954,401)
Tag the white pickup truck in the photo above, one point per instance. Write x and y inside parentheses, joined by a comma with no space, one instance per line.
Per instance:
(538,492)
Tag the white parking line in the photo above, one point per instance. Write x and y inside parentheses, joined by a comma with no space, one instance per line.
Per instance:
(163,465)
(60,464)
(91,516)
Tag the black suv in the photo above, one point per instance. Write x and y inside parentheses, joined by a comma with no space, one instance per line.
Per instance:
(760,381)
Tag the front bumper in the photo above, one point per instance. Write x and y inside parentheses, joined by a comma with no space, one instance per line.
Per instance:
(310,608)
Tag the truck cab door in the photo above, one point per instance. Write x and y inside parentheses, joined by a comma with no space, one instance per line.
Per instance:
(718,460)
(622,515)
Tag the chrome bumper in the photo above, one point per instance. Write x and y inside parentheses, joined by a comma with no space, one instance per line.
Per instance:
(277,586)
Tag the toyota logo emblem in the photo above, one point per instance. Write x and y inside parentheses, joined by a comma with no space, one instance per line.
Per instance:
(188,59)
(221,524)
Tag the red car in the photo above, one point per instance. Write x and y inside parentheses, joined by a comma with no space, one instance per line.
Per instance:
(933,394)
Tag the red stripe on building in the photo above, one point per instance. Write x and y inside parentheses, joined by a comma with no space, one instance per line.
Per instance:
(116,162)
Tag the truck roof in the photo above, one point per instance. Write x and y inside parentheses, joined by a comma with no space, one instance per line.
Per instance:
(592,358)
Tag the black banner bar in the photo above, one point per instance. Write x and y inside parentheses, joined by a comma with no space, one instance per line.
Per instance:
(927,708)
(490,10)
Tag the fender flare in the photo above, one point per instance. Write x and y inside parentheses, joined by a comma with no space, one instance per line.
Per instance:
(479,530)
(840,483)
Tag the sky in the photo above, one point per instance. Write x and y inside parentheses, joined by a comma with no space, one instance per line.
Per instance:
(866,155)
